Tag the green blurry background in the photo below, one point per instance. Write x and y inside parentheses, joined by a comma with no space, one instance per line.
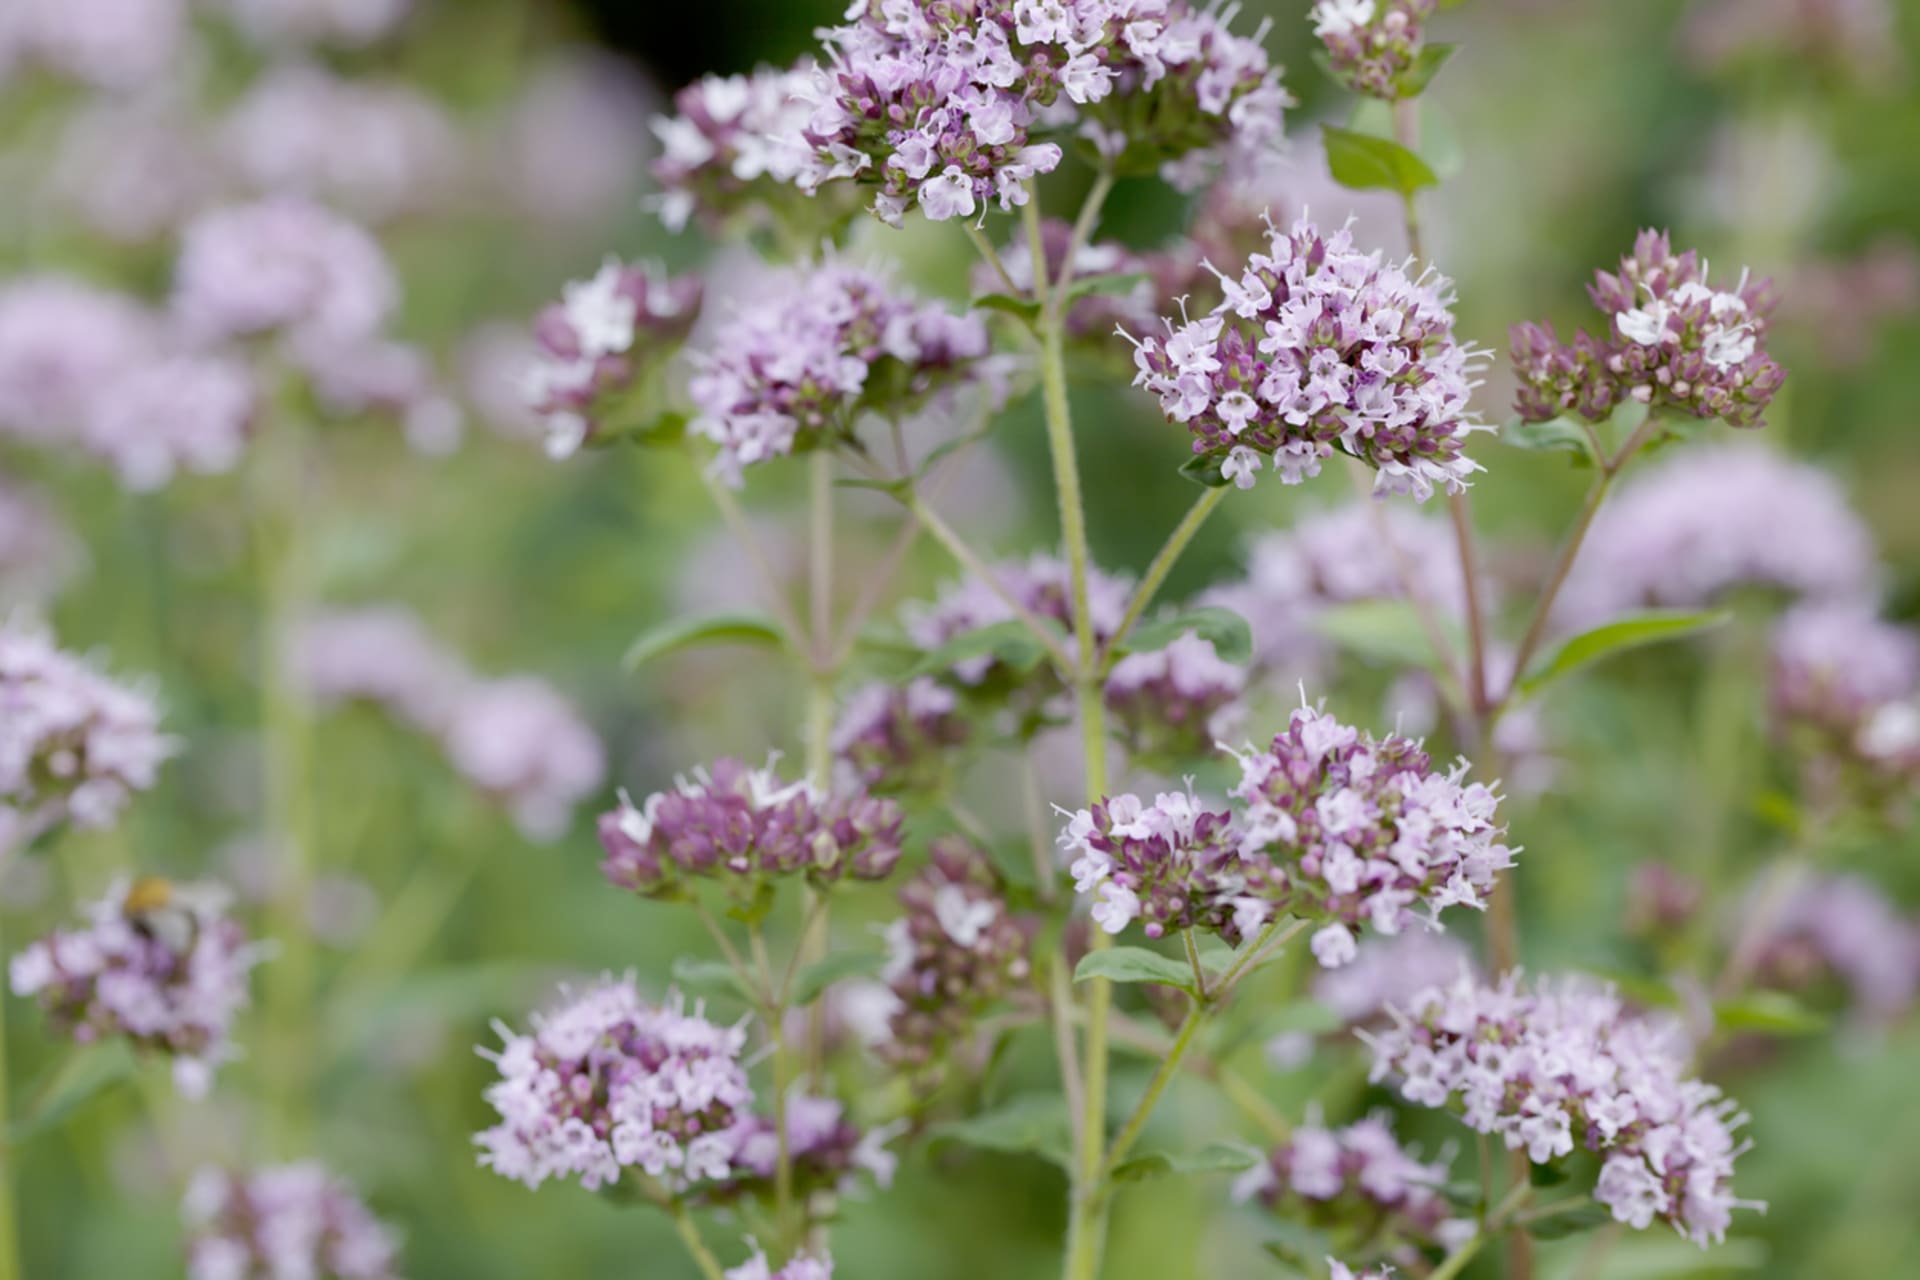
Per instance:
(1576,122)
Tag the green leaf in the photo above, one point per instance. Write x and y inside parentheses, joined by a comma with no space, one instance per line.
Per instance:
(1770,1012)
(1217,1157)
(1024,309)
(1009,643)
(1226,630)
(1570,1221)
(1204,470)
(1562,433)
(896,488)
(653,430)
(1106,285)
(818,976)
(1363,162)
(1032,1124)
(1135,964)
(691,633)
(83,1075)
(1426,64)
(711,976)
(1618,636)
(1650,1256)
(1298,1245)
(1387,631)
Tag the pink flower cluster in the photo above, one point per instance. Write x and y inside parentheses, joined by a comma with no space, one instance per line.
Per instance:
(118,46)
(1093,316)
(1333,825)
(1842,928)
(607,1083)
(736,145)
(892,737)
(1835,664)
(60,341)
(803,1267)
(515,738)
(1372,44)
(36,549)
(827,1152)
(1556,1066)
(346,24)
(1672,342)
(281,264)
(1388,972)
(1359,1178)
(284,1221)
(74,745)
(1319,346)
(1178,701)
(1713,519)
(742,825)
(601,339)
(938,105)
(1042,584)
(159,963)
(813,349)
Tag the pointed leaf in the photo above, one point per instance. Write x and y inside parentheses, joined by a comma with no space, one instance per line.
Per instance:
(1226,630)
(1362,162)
(1032,1124)
(80,1077)
(1106,285)
(1135,964)
(1571,1221)
(1217,1157)
(711,976)
(1204,470)
(1608,639)
(1426,64)
(1025,309)
(691,633)
(1769,1012)
(1562,433)
(1387,631)
(1009,642)
(818,976)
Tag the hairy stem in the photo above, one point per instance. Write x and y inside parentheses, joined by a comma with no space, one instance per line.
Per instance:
(1163,562)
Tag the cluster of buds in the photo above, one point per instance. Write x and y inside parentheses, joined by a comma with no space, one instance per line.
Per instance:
(608,1083)
(1177,702)
(1556,1067)
(1673,342)
(955,951)
(1373,44)
(827,1151)
(893,738)
(937,105)
(1359,1183)
(1835,666)
(160,964)
(734,147)
(1842,931)
(283,1221)
(805,1266)
(601,340)
(74,745)
(1042,585)
(1713,519)
(1319,346)
(816,347)
(1093,316)
(746,827)
(1333,826)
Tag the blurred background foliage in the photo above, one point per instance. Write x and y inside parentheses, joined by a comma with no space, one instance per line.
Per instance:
(1575,123)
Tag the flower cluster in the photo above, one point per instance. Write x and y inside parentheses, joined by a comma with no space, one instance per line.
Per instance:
(603,336)
(1094,315)
(159,963)
(1334,825)
(1359,551)
(115,46)
(938,105)
(802,1267)
(36,548)
(1713,519)
(826,1150)
(1042,585)
(816,347)
(1563,1065)
(1842,928)
(741,825)
(519,741)
(1176,702)
(74,745)
(1388,972)
(1372,44)
(1836,664)
(1856,38)
(281,264)
(347,24)
(280,1222)
(1316,346)
(892,737)
(60,341)
(955,951)
(379,654)
(735,146)
(608,1082)
(185,412)
(1672,342)
(1359,1180)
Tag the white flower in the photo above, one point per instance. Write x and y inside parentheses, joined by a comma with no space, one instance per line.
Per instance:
(1645,326)
(1118,906)
(601,315)
(963,918)
(948,196)
(1340,17)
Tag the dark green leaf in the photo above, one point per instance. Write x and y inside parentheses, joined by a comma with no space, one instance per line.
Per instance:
(1379,630)
(1204,470)
(1414,80)
(1363,162)
(83,1075)
(1025,309)
(1009,643)
(1226,630)
(1770,1012)
(1570,1221)
(1135,964)
(1032,1124)
(692,633)
(1618,636)
(1218,1157)
(818,976)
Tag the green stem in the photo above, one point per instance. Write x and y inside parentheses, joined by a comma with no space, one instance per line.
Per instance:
(1143,1110)
(1163,562)
(9,1225)
(1457,1261)
(782,1081)
(696,1247)
(742,529)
